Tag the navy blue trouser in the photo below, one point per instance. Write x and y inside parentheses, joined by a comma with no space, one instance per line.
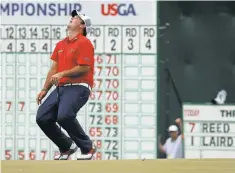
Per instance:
(71,99)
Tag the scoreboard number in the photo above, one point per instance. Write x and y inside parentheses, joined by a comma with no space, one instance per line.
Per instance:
(97,156)
(148,39)
(33,32)
(98,83)
(192,125)
(109,84)
(10,33)
(9,47)
(111,107)
(98,143)
(45,33)
(22,32)
(21,105)
(33,47)
(8,155)
(96,119)
(112,71)
(112,83)
(99,120)
(148,44)
(56,33)
(99,59)
(43,154)
(111,131)
(32,155)
(95,132)
(96,95)
(95,107)
(8,105)
(111,144)
(21,155)
(130,46)
(109,119)
(111,155)
(113,44)
(45,47)
(111,95)
(111,59)
(22,47)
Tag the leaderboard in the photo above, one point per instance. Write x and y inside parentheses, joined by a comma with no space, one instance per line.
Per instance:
(209,131)
(120,116)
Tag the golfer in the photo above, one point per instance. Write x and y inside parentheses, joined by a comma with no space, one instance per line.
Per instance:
(72,73)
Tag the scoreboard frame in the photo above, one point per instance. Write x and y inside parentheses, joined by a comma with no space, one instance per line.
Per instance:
(27,154)
(195,111)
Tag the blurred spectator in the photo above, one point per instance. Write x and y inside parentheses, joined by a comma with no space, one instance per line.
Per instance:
(173,147)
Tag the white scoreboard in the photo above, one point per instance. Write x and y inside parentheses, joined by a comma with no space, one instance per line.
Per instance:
(120,116)
(209,131)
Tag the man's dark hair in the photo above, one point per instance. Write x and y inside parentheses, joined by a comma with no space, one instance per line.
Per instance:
(84,29)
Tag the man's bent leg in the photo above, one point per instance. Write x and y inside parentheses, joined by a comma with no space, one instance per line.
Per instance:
(73,98)
(46,120)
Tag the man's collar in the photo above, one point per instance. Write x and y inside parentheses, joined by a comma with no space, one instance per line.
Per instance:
(73,39)
(173,140)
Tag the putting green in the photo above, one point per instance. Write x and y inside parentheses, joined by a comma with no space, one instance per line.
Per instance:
(122,166)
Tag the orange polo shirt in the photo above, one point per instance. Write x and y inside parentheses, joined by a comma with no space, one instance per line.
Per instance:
(70,53)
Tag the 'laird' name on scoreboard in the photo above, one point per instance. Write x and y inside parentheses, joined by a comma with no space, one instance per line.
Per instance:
(218,141)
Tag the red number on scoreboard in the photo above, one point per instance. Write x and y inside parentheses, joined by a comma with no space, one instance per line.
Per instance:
(95,131)
(92,95)
(111,95)
(115,119)
(97,83)
(43,154)
(111,119)
(111,107)
(98,143)
(98,70)
(32,155)
(56,153)
(99,93)
(8,155)
(111,58)
(192,126)
(22,105)
(9,105)
(21,155)
(98,156)
(112,70)
(112,83)
(96,95)
(99,59)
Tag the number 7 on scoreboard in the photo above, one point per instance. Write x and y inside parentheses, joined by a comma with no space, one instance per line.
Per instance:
(192,126)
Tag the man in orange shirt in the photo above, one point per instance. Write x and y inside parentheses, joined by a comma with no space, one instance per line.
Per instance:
(72,72)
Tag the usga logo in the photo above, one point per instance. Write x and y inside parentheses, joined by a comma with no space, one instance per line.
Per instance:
(118,9)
